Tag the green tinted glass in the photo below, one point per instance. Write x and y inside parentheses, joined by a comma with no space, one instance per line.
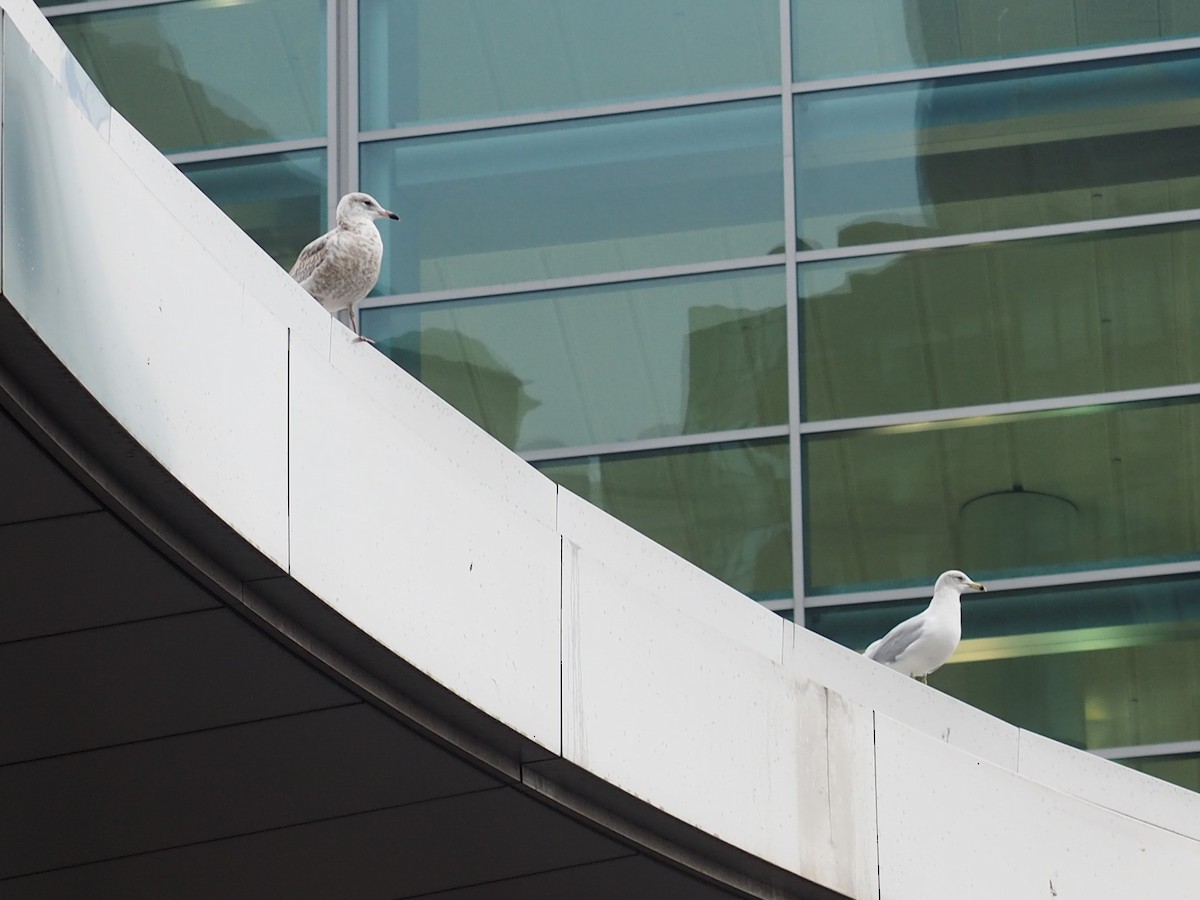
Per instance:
(978,153)
(575,198)
(202,74)
(596,365)
(858,36)
(1094,666)
(723,507)
(425,60)
(1000,321)
(1183,770)
(1095,486)
(278,199)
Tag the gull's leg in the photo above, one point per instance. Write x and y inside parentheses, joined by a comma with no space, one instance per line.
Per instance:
(354,326)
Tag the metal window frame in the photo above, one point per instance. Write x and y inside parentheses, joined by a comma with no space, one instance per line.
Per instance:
(929,419)
(247,151)
(668,442)
(572,114)
(602,279)
(791,236)
(344,140)
(94,6)
(1047,581)
(1000,65)
(1149,751)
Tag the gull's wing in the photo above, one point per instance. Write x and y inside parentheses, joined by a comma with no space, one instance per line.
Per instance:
(310,257)
(892,645)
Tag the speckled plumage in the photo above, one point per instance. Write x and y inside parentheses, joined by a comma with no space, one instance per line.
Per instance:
(341,266)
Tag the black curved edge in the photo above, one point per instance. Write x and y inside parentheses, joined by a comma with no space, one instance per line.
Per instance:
(73,427)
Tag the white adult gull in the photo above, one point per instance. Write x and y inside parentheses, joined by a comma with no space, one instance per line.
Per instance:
(341,266)
(920,645)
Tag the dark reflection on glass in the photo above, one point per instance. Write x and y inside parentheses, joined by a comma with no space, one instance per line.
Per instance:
(196,74)
(999,322)
(429,60)
(1092,666)
(858,36)
(979,153)
(1182,769)
(724,507)
(1003,495)
(278,199)
(463,370)
(597,365)
(574,198)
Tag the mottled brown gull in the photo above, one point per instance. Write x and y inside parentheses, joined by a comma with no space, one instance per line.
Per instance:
(922,644)
(341,266)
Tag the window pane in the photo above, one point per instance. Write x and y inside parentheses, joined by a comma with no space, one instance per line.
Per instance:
(432,60)
(1094,666)
(1018,494)
(723,507)
(977,153)
(202,74)
(596,365)
(1000,321)
(574,198)
(858,36)
(279,199)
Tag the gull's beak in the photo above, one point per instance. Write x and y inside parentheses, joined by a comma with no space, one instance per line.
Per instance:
(976,586)
(391,215)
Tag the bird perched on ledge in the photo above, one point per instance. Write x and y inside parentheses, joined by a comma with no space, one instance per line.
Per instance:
(922,644)
(341,266)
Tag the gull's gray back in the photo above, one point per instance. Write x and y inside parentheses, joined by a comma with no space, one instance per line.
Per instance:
(896,641)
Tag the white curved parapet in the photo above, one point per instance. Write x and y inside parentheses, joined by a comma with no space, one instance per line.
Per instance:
(597,646)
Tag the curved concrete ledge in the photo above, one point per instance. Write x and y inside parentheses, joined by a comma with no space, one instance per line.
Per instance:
(371,528)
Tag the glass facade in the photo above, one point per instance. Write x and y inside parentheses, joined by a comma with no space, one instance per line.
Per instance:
(999,321)
(1000,150)
(1021,494)
(826,297)
(278,199)
(582,196)
(723,507)
(1090,665)
(436,60)
(203,74)
(854,37)
(605,364)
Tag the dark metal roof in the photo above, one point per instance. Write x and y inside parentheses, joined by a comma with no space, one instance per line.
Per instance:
(182,720)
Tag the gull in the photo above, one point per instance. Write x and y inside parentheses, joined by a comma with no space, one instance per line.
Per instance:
(920,645)
(341,266)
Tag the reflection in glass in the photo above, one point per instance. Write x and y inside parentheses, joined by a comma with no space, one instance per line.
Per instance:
(596,365)
(985,152)
(278,199)
(1094,666)
(574,198)
(1002,321)
(1019,494)
(429,60)
(199,74)
(858,36)
(724,507)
